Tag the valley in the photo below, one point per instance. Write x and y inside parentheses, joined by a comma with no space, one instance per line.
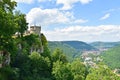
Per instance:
(90,53)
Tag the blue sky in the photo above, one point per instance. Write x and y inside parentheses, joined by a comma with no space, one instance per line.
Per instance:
(83,20)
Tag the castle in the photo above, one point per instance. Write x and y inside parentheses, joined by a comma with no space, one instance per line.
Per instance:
(34,29)
(5,56)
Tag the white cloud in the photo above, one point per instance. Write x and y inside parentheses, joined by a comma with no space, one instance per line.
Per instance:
(105,16)
(51,16)
(43,0)
(85,1)
(85,33)
(80,21)
(112,10)
(24,1)
(47,16)
(68,4)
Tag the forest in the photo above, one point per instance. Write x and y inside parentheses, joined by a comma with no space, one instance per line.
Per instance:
(27,57)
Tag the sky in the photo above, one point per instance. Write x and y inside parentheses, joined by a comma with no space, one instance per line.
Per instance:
(81,20)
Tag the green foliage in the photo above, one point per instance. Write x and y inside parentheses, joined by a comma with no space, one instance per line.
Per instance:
(7,29)
(21,23)
(112,57)
(58,56)
(46,51)
(7,25)
(69,71)
(8,73)
(33,66)
(40,65)
(27,42)
(78,69)
(32,39)
(62,71)
(8,5)
(43,40)
(101,72)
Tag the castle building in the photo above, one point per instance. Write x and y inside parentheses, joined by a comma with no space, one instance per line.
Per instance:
(35,29)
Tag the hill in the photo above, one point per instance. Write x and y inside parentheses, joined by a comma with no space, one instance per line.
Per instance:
(69,51)
(111,57)
(79,45)
(103,45)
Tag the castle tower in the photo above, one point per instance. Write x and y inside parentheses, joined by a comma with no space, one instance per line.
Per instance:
(36,29)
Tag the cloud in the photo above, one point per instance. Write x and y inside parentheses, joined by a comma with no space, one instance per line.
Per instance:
(85,33)
(105,16)
(30,1)
(51,16)
(43,0)
(80,21)
(47,16)
(112,10)
(24,1)
(85,1)
(68,4)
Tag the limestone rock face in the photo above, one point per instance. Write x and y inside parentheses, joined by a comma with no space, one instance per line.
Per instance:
(4,58)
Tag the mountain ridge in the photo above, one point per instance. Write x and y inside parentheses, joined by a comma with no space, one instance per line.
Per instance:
(71,49)
(101,44)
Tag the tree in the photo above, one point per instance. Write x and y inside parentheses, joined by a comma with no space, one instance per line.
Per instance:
(21,23)
(7,29)
(61,71)
(69,71)
(79,70)
(7,26)
(101,72)
(40,66)
(8,73)
(22,26)
(7,5)
(58,56)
